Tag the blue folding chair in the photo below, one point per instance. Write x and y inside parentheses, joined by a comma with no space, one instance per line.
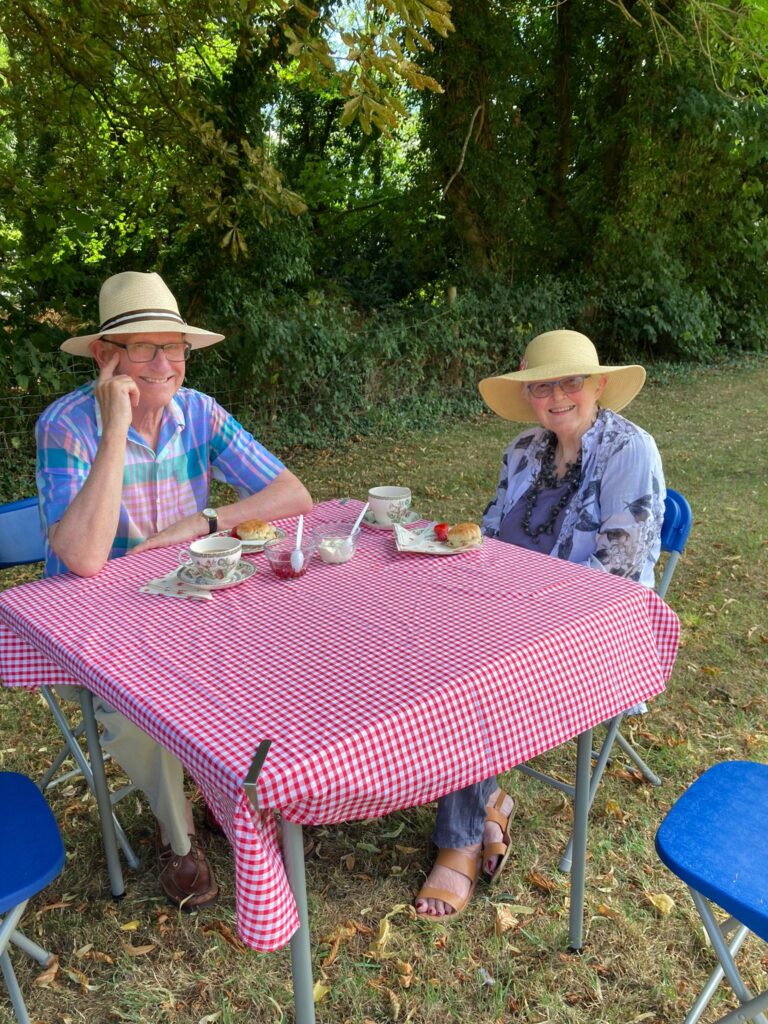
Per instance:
(21,543)
(31,856)
(678,520)
(713,838)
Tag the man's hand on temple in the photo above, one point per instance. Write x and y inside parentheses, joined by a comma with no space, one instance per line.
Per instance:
(117,395)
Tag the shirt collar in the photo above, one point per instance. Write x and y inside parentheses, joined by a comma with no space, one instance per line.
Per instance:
(173,414)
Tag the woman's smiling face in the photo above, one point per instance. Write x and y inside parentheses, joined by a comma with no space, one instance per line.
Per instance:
(568,415)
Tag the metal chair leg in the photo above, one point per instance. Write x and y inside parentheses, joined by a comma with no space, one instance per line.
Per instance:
(725,953)
(42,956)
(102,796)
(84,768)
(594,782)
(633,755)
(7,929)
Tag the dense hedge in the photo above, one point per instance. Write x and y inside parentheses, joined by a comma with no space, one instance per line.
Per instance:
(312,370)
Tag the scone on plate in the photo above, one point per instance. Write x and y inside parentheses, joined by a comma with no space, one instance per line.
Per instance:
(464,535)
(256,530)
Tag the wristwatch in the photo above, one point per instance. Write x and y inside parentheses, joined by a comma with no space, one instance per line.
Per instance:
(211,516)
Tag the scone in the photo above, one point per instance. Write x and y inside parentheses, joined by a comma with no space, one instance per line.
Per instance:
(464,535)
(255,529)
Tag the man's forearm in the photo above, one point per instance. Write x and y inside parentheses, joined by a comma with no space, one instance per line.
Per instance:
(284,496)
(84,535)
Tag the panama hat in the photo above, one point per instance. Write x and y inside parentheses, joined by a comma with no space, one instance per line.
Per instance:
(133,303)
(551,356)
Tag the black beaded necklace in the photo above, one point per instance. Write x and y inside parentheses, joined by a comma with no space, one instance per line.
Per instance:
(547,479)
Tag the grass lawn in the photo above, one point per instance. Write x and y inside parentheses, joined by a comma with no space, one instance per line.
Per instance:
(505,959)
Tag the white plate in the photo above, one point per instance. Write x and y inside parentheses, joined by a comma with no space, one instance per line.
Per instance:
(422,542)
(250,546)
(187,575)
(370,522)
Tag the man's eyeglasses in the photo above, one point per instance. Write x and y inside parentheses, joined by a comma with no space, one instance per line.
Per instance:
(144,352)
(568,385)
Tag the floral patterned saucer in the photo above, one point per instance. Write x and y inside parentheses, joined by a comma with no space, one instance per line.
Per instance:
(188,575)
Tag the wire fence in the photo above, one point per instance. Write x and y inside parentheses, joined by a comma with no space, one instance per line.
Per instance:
(19,411)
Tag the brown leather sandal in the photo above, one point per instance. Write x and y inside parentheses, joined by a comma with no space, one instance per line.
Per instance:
(466,865)
(504,848)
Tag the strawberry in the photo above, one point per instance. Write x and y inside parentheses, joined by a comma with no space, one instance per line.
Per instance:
(441,531)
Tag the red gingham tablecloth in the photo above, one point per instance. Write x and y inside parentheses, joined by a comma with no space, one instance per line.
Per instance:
(382,683)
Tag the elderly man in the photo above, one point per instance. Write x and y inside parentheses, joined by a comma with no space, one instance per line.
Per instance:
(125,464)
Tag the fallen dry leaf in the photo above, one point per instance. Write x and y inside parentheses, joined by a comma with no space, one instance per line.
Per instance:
(98,957)
(613,809)
(363,929)
(59,905)
(340,933)
(394,1004)
(605,911)
(80,979)
(404,973)
(130,926)
(227,934)
(377,947)
(504,920)
(319,991)
(138,950)
(541,882)
(663,903)
(44,979)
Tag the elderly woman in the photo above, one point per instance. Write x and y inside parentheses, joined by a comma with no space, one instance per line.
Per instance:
(585,485)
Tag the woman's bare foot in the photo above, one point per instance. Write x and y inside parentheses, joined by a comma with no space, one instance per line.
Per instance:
(492,832)
(446,878)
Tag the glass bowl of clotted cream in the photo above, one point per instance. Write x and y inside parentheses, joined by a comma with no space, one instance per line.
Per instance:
(336,543)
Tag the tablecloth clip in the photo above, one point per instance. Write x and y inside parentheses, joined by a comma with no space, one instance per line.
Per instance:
(253,774)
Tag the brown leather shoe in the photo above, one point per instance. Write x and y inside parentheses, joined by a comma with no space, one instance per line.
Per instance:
(187,881)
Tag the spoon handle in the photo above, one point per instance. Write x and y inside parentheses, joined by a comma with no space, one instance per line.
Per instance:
(359,519)
(300,531)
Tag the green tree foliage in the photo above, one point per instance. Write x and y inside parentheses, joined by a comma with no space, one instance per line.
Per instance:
(313,180)
(598,144)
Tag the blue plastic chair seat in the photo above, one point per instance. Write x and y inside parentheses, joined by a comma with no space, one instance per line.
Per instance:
(713,838)
(31,850)
(21,535)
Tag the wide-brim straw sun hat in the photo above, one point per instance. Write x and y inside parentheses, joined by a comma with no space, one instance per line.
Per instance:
(135,303)
(552,356)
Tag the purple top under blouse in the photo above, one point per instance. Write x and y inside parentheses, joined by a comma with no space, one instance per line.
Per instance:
(512,532)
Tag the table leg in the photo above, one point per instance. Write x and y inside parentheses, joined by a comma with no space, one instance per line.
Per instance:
(301,958)
(580,819)
(102,795)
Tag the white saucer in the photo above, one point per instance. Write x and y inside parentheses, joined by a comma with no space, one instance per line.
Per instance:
(186,574)
(411,518)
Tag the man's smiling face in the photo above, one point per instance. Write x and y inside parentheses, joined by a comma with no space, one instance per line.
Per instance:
(158,380)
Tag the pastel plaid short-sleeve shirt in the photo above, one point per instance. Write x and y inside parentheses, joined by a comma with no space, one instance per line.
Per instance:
(198,441)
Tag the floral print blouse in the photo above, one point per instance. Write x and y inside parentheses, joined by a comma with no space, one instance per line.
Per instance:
(613,522)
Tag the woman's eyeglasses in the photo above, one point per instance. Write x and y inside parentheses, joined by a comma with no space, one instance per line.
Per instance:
(568,385)
(144,352)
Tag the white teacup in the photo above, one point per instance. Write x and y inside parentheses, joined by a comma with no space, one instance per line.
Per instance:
(389,504)
(213,558)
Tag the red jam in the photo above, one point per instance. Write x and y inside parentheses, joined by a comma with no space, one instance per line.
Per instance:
(282,568)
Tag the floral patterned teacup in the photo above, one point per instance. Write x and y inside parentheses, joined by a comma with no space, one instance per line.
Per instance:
(389,504)
(213,558)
